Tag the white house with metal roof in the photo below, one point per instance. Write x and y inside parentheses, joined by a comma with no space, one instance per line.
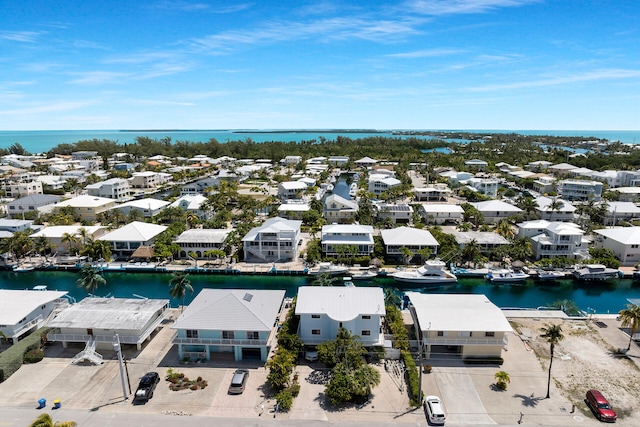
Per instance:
(196,204)
(126,239)
(554,239)
(564,212)
(414,239)
(397,213)
(337,209)
(277,239)
(291,189)
(621,211)
(237,321)
(97,320)
(200,240)
(323,310)
(440,213)
(460,326)
(18,207)
(114,188)
(486,240)
(87,207)
(623,241)
(57,235)
(495,211)
(338,235)
(24,311)
(148,207)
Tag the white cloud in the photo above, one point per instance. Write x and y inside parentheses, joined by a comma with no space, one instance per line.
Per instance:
(21,36)
(453,7)
(426,53)
(98,77)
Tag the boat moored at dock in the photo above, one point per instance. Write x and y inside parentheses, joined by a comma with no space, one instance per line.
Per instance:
(432,272)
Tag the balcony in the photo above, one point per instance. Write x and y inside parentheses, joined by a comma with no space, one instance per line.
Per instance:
(466,341)
(218,341)
(30,324)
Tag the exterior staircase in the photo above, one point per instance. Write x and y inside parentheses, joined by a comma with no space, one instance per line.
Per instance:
(89,354)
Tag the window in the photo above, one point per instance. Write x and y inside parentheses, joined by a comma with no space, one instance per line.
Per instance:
(315,316)
(228,335)
(366,317)
(253,335)
(441,334)
(315,332)
(192,333)
(489,334)
(365,333)
(464,333)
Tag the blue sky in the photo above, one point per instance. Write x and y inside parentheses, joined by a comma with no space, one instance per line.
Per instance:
(415,64)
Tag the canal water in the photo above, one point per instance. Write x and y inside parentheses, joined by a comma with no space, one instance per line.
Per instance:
(595,297)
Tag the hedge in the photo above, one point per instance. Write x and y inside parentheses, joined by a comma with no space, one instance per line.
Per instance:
(413,379)
(12,358)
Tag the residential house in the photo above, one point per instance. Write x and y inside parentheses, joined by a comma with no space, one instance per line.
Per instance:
(441,213)
(291,160)
(58,236)
(621,211)
(380,183)
(565,212)
(238,322)
(277,239)
(432,193)
(147,207)
(336,236)
(87,207)
(397,213)
(365,162)
(22,189)
(476,164)
(579,190)
(293,210)
(545,185)
(465,326)
(114,188)
(291,190)
(83,155)
(455,177)
(18,207)
(149,180)
(495,211)
(339,210)
(538,166)
(51,182)
(196,204)
(202,186)
(13,225)
(486,186)
(554,239)
(623,241)
(561,169)
(413,239)
(22,312)
(197,241)
(628,194)
(338,160)
(97,320)
(486,240)
(323,310)
(126,239)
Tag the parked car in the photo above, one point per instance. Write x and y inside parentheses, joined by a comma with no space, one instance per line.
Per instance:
(435,411)
(146,386)
(238,381)
(600,406)
(311,355)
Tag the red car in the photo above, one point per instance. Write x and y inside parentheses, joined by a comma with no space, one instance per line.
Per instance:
(601,407)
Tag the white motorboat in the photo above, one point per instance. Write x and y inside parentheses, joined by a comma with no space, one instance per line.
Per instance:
(23,268)
(595,272)
(550,275)
(362,274)
(432,272)
(506,276)
(327,268)
(469,272)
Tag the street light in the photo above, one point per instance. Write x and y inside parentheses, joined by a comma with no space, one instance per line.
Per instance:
(118,350)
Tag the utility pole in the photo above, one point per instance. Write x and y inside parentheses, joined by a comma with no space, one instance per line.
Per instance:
(117,349)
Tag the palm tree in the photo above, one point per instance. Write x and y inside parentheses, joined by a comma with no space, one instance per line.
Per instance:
(527,204)
(471,251)
(391,297)
(555,206)
(553,335)
(505,230)
(90,278)
(70,239)
(44,420)
(630,317)
(180,284)
(502,379)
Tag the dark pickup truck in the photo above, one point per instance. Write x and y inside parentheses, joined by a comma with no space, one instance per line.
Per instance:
(146,386)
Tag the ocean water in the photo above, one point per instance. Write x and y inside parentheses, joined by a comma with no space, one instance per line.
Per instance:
(42,141)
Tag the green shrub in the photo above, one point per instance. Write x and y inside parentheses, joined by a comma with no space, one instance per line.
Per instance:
(12,358)
(33,356)
(396,327)
(413,379)
(295,389)
(284,399)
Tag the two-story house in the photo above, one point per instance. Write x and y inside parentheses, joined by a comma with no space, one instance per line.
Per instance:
(554,209)
(276,240)
(114,188)
(238,322)
(126,239)
(291,190)
(554,239)
(467,326)
(413,239)
(335,236)
(380,183)
(323,310)
(339,210)
(495,211)
(579,190)
(87,207)
(440,213)
(623,241)
(397,213)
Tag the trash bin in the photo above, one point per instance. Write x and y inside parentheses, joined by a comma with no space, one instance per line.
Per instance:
(56,404)
(42,403)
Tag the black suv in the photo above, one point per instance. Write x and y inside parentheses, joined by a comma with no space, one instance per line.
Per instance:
(146,386)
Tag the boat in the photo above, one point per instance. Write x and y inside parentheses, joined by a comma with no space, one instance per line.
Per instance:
(636,274)
(23,268)
(432,272)
(506,276)
(327,268)
(595,272)
(348,283)
(469,272)
(550,275)
(362,274)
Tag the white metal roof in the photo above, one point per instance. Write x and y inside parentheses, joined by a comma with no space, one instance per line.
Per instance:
(460,312)
(444,208)
(57,231)
(481,237)
(204,235)
(147,203)
(232,310)
(495,206)
(16,305)
(135,231)
(273,225)
(624,235)
(340,303)
(408,236)
(108,313)
(85,201)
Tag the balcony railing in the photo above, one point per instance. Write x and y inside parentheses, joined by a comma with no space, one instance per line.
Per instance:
(217,341)
(30,324)
(465,341)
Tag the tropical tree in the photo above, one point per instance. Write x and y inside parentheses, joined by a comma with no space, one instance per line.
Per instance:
(216,253)
(407,254)
(505,230)
(391,297)
(43,246)
(527,204)
(630,317)
(45,420)
(90,278)
(521,249)
(472,251)
(323,279)
(553,335)
(180,284)
(70,240)
(502,379)
(555,206)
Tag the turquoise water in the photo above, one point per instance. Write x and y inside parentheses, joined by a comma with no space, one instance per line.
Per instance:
(603,298)
(41,141)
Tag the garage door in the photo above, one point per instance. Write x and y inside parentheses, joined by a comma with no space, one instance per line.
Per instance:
(251,354)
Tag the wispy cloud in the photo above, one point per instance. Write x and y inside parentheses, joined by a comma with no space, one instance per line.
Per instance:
(186,6)
(98,77)
(454,7)
(159,102)
(426,53)
(21,36)
(604,74)
(47,108)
